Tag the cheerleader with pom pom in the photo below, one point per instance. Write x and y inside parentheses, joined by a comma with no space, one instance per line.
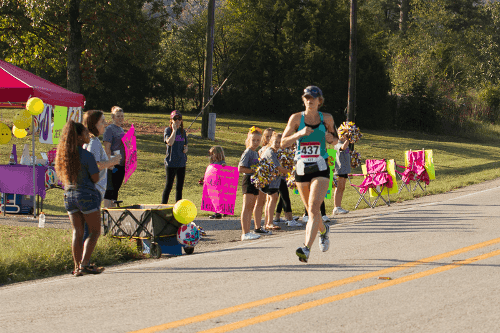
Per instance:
(261,200)
(274,180)
(342,169)
(285,156)
(249,158)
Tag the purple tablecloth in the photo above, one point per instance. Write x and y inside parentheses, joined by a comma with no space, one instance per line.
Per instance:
(18,179)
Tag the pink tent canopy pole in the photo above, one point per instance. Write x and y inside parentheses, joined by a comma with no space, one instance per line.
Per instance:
(18,85)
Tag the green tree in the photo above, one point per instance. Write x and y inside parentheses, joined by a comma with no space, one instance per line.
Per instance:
(118,41)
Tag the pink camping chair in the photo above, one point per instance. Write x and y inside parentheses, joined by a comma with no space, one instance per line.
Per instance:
(414,170)
(375,180)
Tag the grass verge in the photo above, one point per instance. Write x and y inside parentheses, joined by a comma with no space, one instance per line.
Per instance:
(28,253)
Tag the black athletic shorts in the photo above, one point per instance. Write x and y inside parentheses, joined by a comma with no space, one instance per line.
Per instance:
(344,175)
(308,177)
(270,191)
(247,187)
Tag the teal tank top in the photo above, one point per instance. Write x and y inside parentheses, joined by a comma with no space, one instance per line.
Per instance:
(317,136)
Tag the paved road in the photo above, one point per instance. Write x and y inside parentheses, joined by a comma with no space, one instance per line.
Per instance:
(440,255)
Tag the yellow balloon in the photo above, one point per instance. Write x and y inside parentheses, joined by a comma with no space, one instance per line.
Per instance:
(22,119)
(19,132)
(184,211)
(34,106)
(5,134)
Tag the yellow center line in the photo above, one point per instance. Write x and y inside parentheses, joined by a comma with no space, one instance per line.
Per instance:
(305,306)
(310,290)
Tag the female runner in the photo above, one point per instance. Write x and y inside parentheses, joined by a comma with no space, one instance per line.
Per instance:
(311,129)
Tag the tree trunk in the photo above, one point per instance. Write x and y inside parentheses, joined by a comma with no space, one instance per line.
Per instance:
(403,15)
(74,48)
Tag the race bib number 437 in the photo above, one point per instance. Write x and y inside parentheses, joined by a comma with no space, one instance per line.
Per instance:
(309,151)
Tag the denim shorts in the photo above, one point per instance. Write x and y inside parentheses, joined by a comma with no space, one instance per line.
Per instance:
(85,201)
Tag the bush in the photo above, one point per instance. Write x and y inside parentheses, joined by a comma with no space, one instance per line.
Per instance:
(490,96)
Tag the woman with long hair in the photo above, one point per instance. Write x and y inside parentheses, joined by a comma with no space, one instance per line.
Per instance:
(311,130)
(96,124)
(175,139)
(78,171)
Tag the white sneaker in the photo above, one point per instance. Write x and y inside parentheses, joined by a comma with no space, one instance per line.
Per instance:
(293,223)
(324,239)
(296,218)
(249,236)
(305,219)
(325,218)
(339,210)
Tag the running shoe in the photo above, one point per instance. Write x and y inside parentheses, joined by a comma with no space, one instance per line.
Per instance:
(303,253)
(202,232)
(339,210)
(280,220)
(324,239)
(305,219)
(293,223)
(262,231)
(249,236)
(296,218)
(325,218)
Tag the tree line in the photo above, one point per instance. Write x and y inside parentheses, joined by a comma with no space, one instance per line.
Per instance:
(421,64)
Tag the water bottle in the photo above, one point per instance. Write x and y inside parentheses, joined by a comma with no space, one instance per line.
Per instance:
(116,152)
(41,220)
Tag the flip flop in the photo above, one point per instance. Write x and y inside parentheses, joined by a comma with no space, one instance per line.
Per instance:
(273,227)
(91,269)
(76,273)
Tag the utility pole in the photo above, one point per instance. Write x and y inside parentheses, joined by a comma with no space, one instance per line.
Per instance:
(351,96)
(207,85)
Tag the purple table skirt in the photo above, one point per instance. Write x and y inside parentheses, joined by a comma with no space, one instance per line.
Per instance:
(18,179)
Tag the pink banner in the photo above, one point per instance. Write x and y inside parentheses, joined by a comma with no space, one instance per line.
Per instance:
(219,189)
(130,153)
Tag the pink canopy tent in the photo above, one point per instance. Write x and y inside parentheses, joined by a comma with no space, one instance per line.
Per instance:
(18,85)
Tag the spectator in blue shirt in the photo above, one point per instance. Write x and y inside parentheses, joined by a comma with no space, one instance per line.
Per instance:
(175,139)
